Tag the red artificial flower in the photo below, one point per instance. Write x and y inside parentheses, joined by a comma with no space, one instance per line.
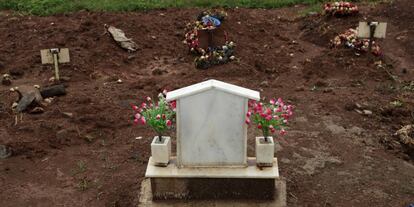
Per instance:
(158,117)
(248,121)
(163,116)
(259,126)
(143,121)
(169,123)
(282,132)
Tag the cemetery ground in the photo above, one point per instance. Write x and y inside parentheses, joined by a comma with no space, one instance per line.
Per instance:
(84,150)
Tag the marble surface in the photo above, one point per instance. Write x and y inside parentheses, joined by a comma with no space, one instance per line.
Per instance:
(251,171)
(265,151)
(213,84)
(211,129)
(364,30)
(161,152)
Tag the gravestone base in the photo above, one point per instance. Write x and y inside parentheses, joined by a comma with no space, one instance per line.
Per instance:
(217,185)
(146,198)
(212,188)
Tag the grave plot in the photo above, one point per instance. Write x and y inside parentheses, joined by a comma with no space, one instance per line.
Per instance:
(348,143)
(203,39)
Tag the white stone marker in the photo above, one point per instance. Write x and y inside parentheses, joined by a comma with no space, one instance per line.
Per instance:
(364,29)
(210,124)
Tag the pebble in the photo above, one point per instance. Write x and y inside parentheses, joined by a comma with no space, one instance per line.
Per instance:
(367,112)
(67,114)
(6,80)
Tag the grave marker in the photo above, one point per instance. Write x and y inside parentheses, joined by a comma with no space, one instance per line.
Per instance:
(210,124)
(55,56)
(372,30)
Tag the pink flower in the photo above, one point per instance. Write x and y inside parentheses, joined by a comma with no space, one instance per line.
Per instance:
(272,129)
(163,116)
(144,105)
(165,91)
(259,126)
(137,116)
(134,107)
(143,121)
(149,98)
(272,101)
(285,121)
(268,111)
(173,104)
(136,121)
(249,113)
(169,123)
(269,117)
(282,132)
(248,121)
(158,117)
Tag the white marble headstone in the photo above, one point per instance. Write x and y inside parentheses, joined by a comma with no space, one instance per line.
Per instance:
(210,124)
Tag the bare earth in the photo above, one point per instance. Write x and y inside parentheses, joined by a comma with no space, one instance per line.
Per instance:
(333,156)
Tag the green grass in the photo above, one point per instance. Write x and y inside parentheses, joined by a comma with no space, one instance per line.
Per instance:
(49,7)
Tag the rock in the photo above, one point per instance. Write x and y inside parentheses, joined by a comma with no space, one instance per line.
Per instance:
(406,135)
(119,81)
(56,90)
(16,72)
(5,152)
(67,114)
(37,110)
(358,105)
(367,112)
(6,80)
(358,111)
(264,84)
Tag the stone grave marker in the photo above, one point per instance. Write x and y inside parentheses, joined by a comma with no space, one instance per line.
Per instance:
(55,56)
(210,124)
(211,158)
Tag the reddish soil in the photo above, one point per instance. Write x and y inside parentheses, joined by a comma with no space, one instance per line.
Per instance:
(333,156)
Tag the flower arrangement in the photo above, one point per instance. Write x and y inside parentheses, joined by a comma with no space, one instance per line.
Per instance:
(341,8)
(158,115)
(208,21)
(350,39)
(269,117)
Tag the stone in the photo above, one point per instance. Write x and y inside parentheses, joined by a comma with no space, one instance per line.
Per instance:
(146,196)
(24,102)
(161,151)
(264,151)
(6,80)
(250,171)
(367,112)
(5,152)
(364,30)
(67,114)
(210,123)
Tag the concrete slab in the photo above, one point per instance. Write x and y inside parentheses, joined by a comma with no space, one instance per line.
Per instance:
(145,199)
(249,172)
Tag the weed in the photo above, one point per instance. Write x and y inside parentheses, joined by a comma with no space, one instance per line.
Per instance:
(80,168)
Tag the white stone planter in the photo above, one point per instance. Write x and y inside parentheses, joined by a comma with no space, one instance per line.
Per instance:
(264,151)
(161,151)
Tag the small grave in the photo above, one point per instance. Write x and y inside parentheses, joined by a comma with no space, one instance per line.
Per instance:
(211,161)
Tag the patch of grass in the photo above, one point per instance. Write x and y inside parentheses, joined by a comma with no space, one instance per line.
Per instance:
(49,7)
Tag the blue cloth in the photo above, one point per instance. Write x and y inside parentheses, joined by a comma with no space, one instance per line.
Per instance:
(411,205)
(214,21)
